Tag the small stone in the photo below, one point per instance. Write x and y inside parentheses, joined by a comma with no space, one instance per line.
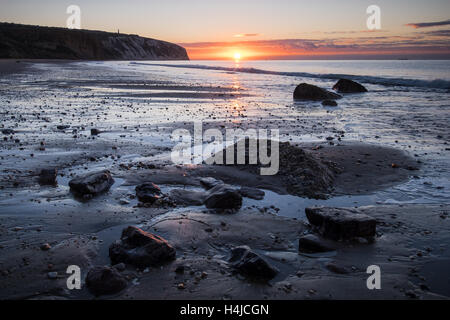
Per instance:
(209,182)
(95,132)
(52,275)
(223,197)
(180,269)
(45,247)
(105,281)
(120,267)
(141,249)
(341,223)
(313,244)
(148,192)
(251,264)
(92,184)
(329,103)
(48,177)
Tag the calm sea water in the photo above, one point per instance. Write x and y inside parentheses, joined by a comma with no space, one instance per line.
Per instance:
(407,107)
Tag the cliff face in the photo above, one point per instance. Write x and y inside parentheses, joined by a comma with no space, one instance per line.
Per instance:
(34,42)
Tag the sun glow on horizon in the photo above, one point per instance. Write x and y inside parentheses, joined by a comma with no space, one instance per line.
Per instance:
(237,56)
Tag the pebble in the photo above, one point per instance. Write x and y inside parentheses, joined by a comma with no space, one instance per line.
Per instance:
(46,247)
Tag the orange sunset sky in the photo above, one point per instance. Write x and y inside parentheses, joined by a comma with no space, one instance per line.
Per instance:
(264,29)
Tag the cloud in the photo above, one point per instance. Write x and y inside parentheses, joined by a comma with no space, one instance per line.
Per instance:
(428,24)
(429,42)
(246,35)
(439,33)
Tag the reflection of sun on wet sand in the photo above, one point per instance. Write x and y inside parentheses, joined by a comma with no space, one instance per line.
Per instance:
(121,121)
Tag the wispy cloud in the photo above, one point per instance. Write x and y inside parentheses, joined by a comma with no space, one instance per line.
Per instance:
(439,33)
(428,24)
(243,35)
(429,42)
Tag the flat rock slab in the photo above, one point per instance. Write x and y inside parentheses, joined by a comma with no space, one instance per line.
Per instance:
(341,223)
(141,249)
(92,183)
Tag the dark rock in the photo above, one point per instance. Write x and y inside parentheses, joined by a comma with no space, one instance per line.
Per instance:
(141,249)
(313,244)
(329,103)
(8,131)
(209,183)
(252,193)
(62,127)
(95,132)
(223,197)
(179,270)
(251,264)
(48,177)
(341,223)
(120,267)
(306,91)
(188,197)
(333,267)
(148,192)
(349,86)
(46,247)
(105,281)
(92,183)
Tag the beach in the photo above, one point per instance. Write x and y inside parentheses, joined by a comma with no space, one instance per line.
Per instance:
(384,152)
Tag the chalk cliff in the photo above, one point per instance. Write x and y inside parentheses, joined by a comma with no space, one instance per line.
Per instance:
(34,42)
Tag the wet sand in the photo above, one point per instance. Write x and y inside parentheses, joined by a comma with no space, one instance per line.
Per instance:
(411,245)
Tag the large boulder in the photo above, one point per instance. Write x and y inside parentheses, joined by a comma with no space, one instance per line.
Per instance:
(92,183)
(141,249)
(341,223)
(306,91)
(349,86)
(148,192)
(251,264)
(223,197)
(105,281)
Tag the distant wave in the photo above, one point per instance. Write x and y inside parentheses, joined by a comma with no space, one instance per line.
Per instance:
(437,83)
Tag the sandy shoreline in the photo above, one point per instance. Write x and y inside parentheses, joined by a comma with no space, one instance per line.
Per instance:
(411,245)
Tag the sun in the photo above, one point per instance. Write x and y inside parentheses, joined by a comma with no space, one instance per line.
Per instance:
(237,56)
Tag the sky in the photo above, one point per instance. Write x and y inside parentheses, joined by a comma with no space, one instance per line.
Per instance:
(261,29)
